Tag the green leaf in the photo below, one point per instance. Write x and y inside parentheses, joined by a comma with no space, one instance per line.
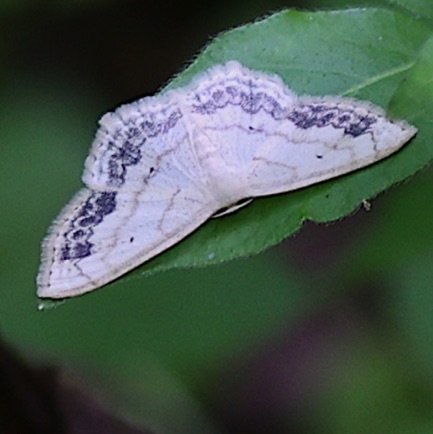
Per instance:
(364,53)
(360,53)
(416,93)
(421,8)
(417,8)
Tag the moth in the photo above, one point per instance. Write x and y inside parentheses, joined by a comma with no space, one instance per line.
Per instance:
(162,166)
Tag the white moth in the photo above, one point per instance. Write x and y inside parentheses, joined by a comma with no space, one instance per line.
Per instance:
(161,166)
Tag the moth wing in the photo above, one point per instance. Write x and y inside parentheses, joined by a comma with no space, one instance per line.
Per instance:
(102,235)
(261,139)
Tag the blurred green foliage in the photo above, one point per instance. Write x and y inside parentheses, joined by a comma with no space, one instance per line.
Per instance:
(332,331)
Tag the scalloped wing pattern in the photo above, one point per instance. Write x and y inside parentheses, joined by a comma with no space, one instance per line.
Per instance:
(161,166)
